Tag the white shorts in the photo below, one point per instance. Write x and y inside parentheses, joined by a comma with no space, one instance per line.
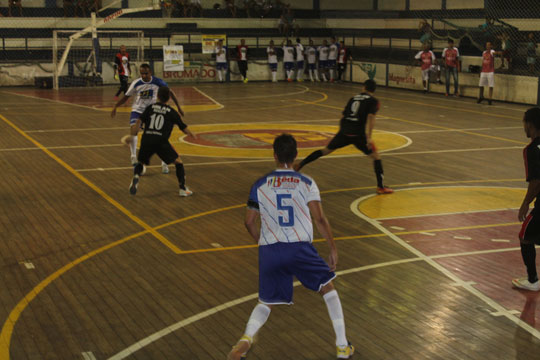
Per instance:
(425,73)
(487,79)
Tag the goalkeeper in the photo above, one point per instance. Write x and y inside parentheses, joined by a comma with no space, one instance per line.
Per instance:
(122,70)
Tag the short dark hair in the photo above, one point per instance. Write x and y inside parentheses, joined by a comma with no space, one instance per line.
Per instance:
(285,148)
(146,66)
(370,85)
(164,94)
(451,41)
(533,116)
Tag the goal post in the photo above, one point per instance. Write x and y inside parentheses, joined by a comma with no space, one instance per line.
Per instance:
(90,32)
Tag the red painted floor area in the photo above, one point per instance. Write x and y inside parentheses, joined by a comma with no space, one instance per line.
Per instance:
(103,97)
(491,271)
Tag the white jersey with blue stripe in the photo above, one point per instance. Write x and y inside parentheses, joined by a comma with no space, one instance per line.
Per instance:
(282,199)
(145,92)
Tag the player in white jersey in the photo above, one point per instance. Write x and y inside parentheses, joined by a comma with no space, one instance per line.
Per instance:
(311,53)
(285,201)
(288,59)
(272,60)
(221,60)
(299,61)
(323,59)
(145,90)
(332,57)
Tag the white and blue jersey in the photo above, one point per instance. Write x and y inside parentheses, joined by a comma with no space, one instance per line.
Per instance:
(282,199)
(145,94)
(221,57)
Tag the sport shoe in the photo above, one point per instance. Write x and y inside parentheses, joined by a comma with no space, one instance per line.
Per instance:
(345,352)
(246,80)
(489,102)
(241,348)
(133,185)
(185,192)
(384,190)
(479,100)
(133,159)
(525,284)
(164,168)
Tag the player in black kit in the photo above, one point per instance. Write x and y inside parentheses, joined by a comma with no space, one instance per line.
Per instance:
(159,120)
(356,128)
(530,230)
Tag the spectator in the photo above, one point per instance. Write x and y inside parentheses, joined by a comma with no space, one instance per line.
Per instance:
(195,4)
(425,29)
(242,53)
(487,29)
(487,77)
(451,66)
(507,50)
(343,56)
(282,26)
(229,4)
(15,3)
(249,6)
(80,5)
(531,52)
(291,23)
(167,7)
(184,5)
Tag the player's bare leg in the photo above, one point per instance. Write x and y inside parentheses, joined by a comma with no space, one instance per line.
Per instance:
(258,318)
(311,157)
(379,172)
(490,95)
(344,349)
(137,172)
(480,95)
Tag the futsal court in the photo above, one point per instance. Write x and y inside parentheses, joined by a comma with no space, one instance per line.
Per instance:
(91,272)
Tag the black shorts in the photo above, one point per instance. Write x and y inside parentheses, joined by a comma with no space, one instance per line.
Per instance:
(342,140)
(530,230)
(164,150)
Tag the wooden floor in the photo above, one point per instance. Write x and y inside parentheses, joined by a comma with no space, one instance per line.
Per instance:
(89,272)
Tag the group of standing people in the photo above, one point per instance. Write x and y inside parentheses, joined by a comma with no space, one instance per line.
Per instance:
(326,62)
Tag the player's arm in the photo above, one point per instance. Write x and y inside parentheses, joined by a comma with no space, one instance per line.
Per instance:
(120,102)
(116,64)
(251,224)
(188,132)
(175,100)
(532,192)
(135,129)
(322,224)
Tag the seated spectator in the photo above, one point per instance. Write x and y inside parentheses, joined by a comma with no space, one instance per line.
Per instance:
(283,26)
(195,4)
(167,7)
(507,50)
(183,5)
(291,23)
(531,52)
(15,3)
(425,29)
(229,5)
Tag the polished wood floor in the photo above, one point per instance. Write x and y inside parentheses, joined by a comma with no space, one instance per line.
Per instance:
(89,272)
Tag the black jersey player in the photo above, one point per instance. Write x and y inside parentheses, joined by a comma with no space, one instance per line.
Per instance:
(530,230)
(159,120)
(356,128)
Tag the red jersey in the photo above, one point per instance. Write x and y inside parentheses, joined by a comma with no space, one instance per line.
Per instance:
(342,55)
(427,58)
(451,56)
(122,62)
(242,52)
(488,61)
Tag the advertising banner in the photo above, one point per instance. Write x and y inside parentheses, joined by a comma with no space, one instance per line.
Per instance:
(173,58)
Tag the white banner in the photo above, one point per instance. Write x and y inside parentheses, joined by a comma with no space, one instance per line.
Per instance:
(173,58)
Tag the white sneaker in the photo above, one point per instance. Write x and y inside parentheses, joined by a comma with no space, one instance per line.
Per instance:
(134,184)
(185,192)
(164,168)
(524,284)
(143,170)
(133,159)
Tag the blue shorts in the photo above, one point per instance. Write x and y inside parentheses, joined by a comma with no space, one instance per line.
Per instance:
(279,262)
(273,66)
(312,66)
(288,65)
(221,66)
(323,64)
(300,65)
(331,63)
(133,117)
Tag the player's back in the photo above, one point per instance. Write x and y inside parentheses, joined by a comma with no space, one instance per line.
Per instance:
(282,198)
(159,120)
(356,112)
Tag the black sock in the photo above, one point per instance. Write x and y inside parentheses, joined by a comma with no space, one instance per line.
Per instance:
(180,174)
(138,168)
(312,157)
(528,252)
(377,165)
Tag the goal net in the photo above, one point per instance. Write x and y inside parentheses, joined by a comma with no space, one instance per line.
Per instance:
(90,60)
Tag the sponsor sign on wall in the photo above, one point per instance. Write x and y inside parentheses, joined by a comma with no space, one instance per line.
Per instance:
(401,76)
(173,58)
(209,42)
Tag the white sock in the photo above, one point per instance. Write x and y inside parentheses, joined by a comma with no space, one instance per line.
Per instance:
(331,73)
(220,75)
(257,319)
(324,77)
(336,315)
(311,74)
(163,163)
(316,75)
(274,74)
(133,146)
(299,74)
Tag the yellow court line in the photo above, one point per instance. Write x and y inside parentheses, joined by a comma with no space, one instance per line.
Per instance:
(94,187)
(433,126)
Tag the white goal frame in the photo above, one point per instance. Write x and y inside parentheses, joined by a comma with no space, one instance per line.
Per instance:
(59,65)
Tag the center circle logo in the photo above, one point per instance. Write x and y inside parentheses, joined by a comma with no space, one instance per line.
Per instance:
(252,140)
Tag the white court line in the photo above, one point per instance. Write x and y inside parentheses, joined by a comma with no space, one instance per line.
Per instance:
(454,130)
(63,147)
(306,89)
(212,311)
(78,129)
(269,159)
(221,106)
(446,213)
(430,260)
(54,101)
